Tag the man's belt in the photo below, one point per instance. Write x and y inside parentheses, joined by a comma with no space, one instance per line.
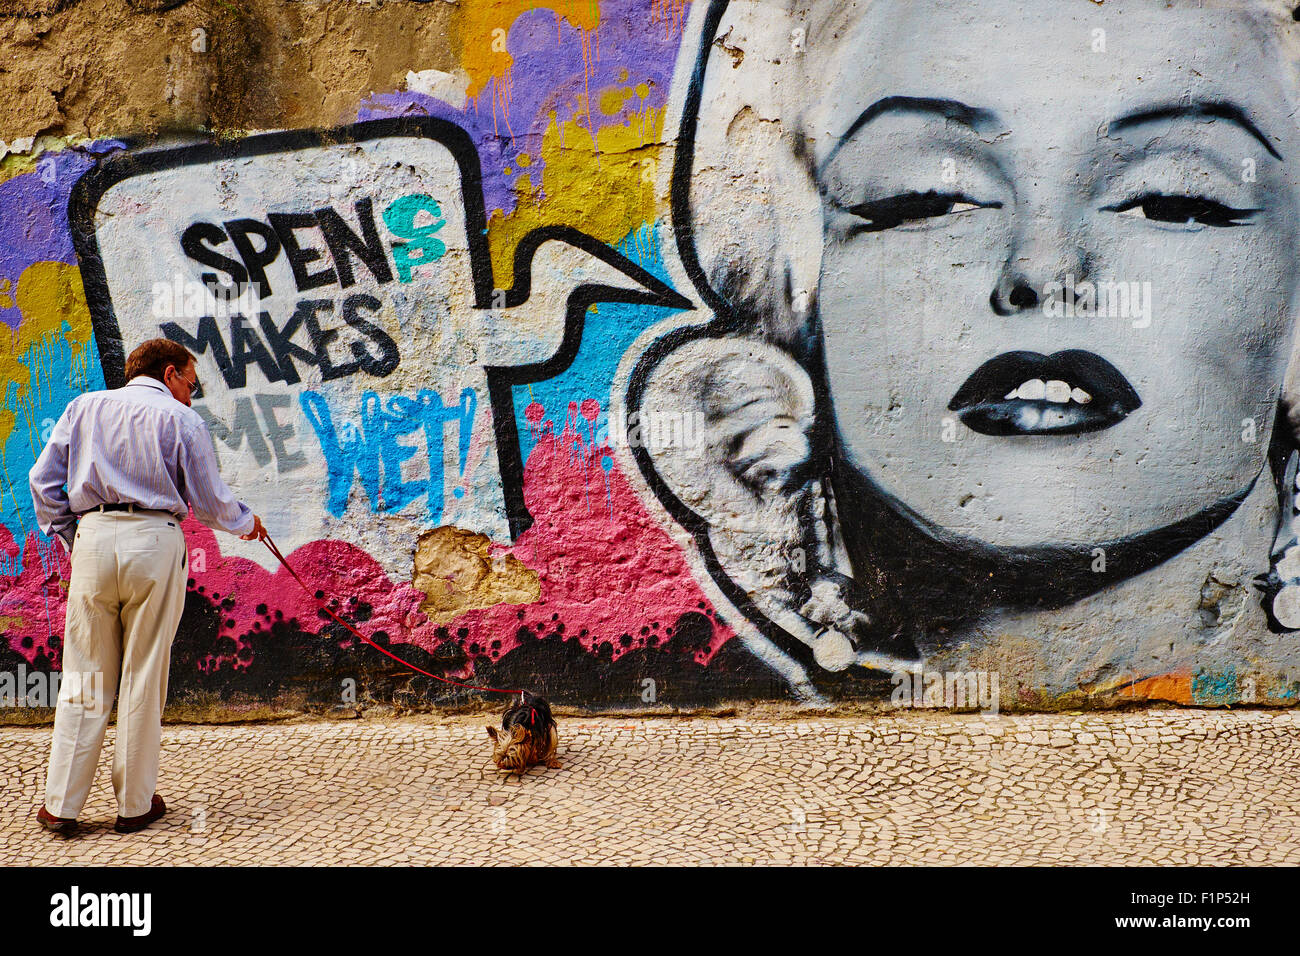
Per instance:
(130,507)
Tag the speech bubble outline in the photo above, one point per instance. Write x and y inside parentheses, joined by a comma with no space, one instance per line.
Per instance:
(501,379)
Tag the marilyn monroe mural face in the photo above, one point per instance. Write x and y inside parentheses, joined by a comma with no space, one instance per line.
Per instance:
(998,284)
(991,154)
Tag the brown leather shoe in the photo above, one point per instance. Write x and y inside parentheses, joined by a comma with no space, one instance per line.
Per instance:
(131,824)
(60,825)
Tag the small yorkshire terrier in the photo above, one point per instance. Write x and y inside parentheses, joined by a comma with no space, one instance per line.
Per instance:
(527,736)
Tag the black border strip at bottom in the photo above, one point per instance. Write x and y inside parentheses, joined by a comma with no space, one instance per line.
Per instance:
(926,908)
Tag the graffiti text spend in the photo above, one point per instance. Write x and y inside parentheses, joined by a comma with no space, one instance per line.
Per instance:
(413,219)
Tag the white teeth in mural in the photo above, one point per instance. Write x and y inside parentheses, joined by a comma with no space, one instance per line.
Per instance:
(1032,390)
(1057,391)
(1054,391)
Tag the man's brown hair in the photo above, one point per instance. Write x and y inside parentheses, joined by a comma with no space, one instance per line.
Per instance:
(152,358)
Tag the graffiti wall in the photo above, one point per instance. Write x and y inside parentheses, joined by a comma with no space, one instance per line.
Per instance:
(652,354)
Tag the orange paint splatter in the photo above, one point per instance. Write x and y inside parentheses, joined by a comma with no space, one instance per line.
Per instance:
(671,13)
(1175,688)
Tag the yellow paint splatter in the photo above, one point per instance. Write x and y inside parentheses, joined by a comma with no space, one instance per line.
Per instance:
(53,305)
(607,186)
(611,101)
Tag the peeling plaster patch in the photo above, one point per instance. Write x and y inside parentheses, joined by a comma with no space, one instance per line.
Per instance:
(451,88)
(743,121)
(1219,599)
(457,572)
(736,53)
(22,144)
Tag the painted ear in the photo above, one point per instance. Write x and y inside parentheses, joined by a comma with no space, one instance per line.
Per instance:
(492,732)
(725,422)
(741,453)
(749,474)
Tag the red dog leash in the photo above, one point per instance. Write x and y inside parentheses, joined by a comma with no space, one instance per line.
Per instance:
(280,557)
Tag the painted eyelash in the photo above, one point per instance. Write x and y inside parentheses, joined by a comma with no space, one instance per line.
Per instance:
(887,213)
(1199,209)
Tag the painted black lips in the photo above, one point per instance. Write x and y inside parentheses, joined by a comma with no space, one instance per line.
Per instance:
(983,406)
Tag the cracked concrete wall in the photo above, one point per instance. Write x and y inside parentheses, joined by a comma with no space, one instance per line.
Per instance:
(109,68)
(956,377)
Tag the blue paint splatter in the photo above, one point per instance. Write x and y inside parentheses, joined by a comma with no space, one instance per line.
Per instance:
(608,333)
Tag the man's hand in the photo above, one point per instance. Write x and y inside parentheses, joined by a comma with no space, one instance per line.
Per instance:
(257,534)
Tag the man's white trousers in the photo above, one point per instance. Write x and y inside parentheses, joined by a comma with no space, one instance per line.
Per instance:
(125,599)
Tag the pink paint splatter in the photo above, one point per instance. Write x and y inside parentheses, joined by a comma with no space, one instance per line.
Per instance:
(33,601)
(608,571)
(251,598)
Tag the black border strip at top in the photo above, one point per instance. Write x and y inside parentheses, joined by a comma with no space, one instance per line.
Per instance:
(108,172)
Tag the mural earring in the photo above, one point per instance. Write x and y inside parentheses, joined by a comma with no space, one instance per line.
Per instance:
(1281,586)
(835,605)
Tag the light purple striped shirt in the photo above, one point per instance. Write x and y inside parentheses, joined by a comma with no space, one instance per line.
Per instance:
(132,444)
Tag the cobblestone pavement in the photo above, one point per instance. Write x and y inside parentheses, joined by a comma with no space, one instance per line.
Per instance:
(1181,787)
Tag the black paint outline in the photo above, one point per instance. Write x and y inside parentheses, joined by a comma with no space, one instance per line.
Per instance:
(502,379)
(724,321)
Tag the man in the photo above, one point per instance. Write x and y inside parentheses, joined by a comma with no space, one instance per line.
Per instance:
(129,463)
